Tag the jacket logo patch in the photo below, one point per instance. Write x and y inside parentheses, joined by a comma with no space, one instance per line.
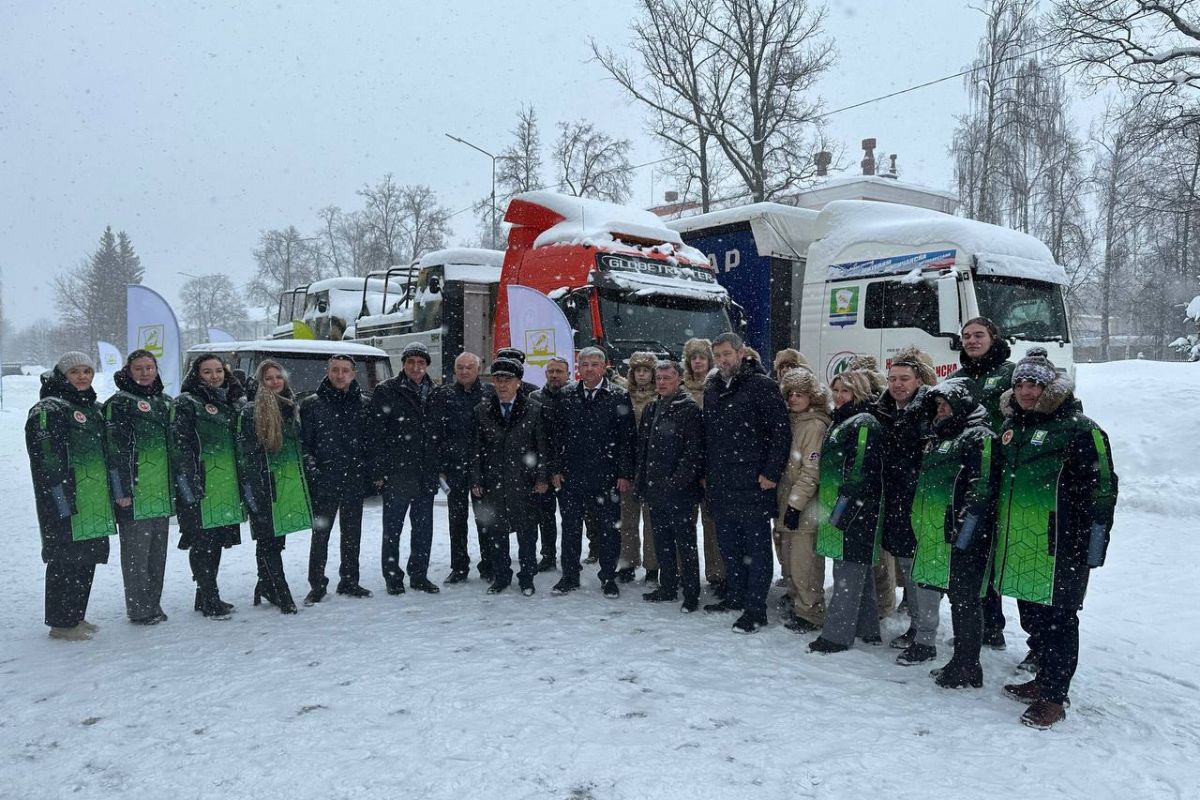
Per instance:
(143,405)
(210,408)
(991,383)
(1039,437)
(80,417)
(1006,438)
(944,447)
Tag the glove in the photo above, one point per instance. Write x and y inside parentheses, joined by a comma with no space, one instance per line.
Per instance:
(186,495)
(248,496)
(839,511)
(59,495)
(966,533)
(1097,545)
(791,518)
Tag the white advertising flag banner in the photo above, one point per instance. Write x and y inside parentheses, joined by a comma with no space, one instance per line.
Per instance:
(110,358)
(152,326)
(538,326)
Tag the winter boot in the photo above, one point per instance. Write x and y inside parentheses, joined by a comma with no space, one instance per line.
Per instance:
(689,605)
(212,607)
(660,595)
(262,591)
(627,574)
(565,585)
(874,639)
(76,633)
(423,584)
(749,622)
(1029,663)
(528,591)
(916,654)
(904,640)
(395,585)
(352,590)
(1024,692)
(651,576)
(547,564)
(994,640)
(723,607)
(1042,714)
(800,625)
(314,596)
(957,676)
(455,576)
(610,590)
(825,647)
(497,587)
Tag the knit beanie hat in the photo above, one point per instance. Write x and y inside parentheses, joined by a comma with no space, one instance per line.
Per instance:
(417,350)
(74,358)
(1035,367)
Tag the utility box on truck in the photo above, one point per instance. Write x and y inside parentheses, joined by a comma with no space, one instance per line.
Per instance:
(866,278)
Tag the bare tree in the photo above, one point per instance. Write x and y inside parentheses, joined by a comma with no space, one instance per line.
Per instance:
(424,223)
(519,166)
(1153,45)
(591,163)
(284,261)
(383,217)
(211,301)
(342,245)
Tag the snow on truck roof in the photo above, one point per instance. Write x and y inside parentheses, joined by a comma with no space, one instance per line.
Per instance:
(779,230)
(463,255)
(846,230)
(311,346)
(588,222)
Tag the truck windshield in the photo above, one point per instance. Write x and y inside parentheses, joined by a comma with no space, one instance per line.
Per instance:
(658,322)
(1030,310)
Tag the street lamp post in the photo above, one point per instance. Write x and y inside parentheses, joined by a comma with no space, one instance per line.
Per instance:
(493,158)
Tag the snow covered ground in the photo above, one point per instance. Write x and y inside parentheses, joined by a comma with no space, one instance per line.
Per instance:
(463,695)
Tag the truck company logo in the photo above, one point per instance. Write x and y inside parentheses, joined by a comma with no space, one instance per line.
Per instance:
(80,418)
(939,259)
(539,346)
(843,306)
(650,266)
(150,337)
(840,362)
(143,406)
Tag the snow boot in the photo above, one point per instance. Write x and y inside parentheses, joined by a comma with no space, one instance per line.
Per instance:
(723,607)
(749,623)
(610,590)
(651,576)
(994,640)
(689,605)
(800,625)
(904,640)
(916,654)
(1024,692)
(314,596)
(825,647)
(627,574)
(565,585)
(1042,714)
(547,564)
(395,586)
(423,584)
(956,676)
(660,595)
(497,587)
(353,590)
(455,576)
(1029,663)
(76,633)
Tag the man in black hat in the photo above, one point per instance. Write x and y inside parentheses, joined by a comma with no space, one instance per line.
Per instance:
(513,354)
(333,433)
(404,467)
(508,474)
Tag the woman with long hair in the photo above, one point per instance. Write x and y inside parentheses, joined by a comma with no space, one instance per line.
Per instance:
(272,474)
(204,461)
(138,417)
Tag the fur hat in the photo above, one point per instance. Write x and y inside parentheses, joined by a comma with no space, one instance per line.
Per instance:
(696,347)
(415,350)
(789,358)
(803,381)
(918,361)
(74,358)
(508,366)
(1035,367)
(870,366)
(511,353)
(642,359)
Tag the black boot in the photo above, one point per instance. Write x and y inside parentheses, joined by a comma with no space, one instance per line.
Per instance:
(651,576)
(627,575)
(212,607)
(916,654)
(722,607)
(959,676)
(825,647)
(314,596)
(660,595)
(547,564)
(352,590)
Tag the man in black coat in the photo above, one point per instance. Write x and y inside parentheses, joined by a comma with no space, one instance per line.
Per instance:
(453,408)
(508,474)
(404,467)
(594,463)
(333,437)
(557,376)
(517,355)
(747,438)
(670,465)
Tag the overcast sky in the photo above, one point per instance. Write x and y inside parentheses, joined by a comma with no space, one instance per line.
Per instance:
(194,126)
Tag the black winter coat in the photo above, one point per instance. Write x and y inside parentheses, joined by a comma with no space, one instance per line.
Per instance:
(747,433)
(598,438)
(551,402)
(403,438)
(333,435)
(453,409)
(905,434)
(64,436)
(670,460)
(508,460)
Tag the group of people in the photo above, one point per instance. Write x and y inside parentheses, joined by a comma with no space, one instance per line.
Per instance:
(991,482)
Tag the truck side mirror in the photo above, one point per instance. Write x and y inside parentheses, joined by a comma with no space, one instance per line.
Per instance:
(949,321)
(434,286)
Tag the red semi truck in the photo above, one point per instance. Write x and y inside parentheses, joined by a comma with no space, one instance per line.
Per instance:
(623,279)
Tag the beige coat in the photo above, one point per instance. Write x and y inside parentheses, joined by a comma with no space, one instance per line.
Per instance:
(798,486)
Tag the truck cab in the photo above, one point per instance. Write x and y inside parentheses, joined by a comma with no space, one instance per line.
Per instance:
(327,307)
(624,281)
(868,278)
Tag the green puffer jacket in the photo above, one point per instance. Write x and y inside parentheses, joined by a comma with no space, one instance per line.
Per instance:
(139,435)
(1058,491)
(204,456)
(851,476)
(957,484)
(273,483)
(64,436)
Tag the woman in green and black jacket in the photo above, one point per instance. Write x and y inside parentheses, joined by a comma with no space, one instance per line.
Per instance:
(272,476)
(65,439)
(204,462)
(953,515)
(851,497)
(139,419)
